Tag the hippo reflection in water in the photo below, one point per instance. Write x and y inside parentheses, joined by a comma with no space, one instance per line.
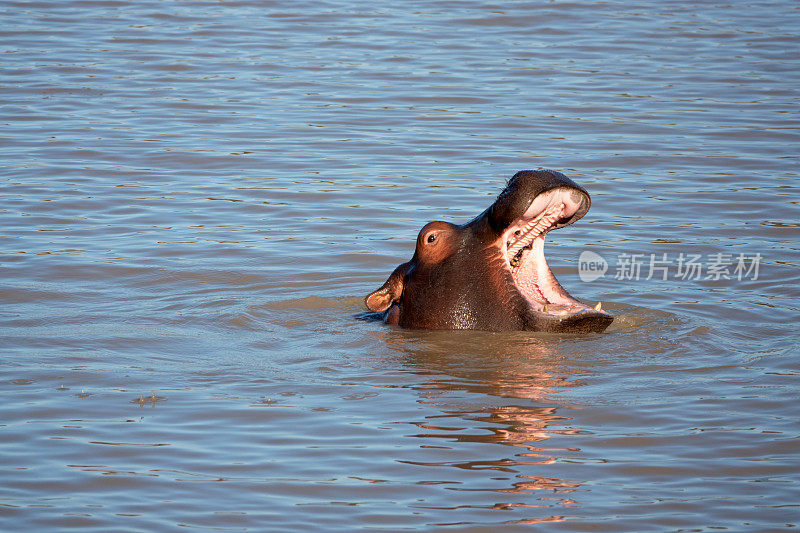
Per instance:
(490,273)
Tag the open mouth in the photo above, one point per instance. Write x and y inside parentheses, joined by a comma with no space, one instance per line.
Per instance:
(523,250)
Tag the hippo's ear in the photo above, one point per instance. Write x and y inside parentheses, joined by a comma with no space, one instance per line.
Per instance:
(380,300)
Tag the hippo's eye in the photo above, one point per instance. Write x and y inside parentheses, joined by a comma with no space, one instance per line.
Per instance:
(431,238)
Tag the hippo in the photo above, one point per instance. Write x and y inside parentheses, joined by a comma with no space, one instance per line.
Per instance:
(490,273)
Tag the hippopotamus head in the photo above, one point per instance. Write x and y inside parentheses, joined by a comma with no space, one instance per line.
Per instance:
(490,273)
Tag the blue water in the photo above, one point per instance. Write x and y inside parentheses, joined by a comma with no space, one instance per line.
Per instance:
(196,196)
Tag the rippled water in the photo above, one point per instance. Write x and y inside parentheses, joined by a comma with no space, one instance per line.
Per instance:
(196,196)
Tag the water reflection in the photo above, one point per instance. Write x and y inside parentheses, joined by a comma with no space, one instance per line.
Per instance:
(495,389)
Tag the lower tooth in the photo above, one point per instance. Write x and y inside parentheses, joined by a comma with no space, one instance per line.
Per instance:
(598,306)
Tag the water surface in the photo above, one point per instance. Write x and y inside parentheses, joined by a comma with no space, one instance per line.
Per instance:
(196,196)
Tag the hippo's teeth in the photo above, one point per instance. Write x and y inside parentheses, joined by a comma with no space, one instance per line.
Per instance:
(598,306)
(515,261)
(523,237)
(544,308)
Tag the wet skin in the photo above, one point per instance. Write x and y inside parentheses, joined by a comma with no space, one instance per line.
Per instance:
(490,273)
